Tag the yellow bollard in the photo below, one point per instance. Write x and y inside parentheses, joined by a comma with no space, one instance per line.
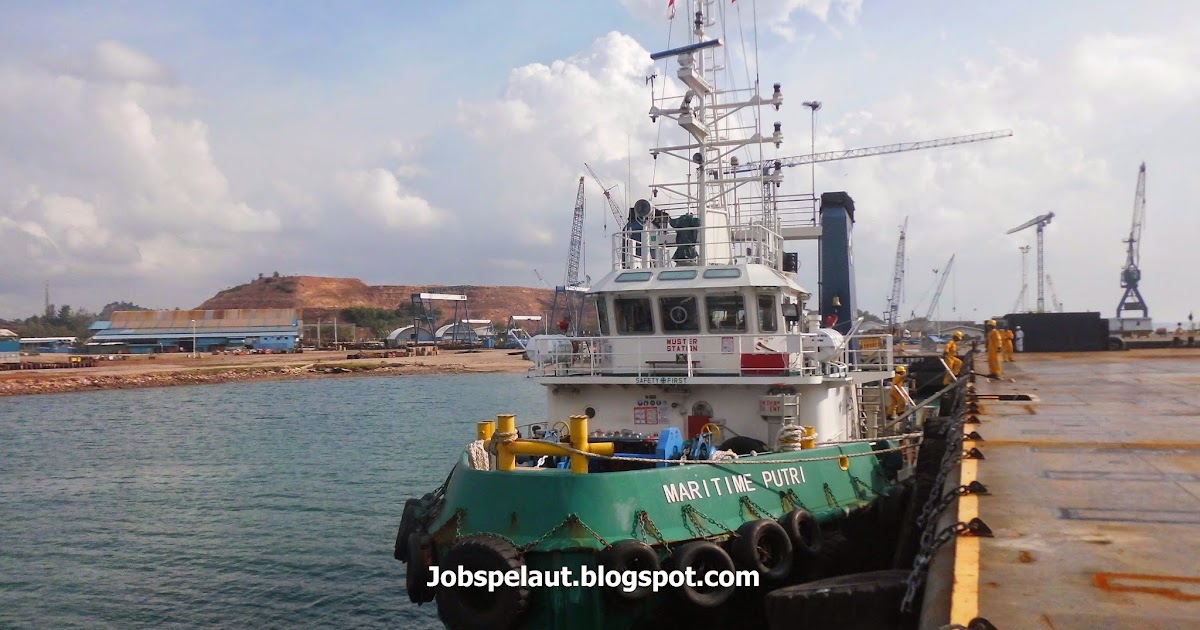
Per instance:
(506,432)
(485,429)
(810,438)
(579,440)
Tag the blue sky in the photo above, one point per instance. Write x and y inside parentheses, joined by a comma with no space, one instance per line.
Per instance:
(159,152)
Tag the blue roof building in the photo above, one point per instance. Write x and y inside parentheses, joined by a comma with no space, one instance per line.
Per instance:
(143,332)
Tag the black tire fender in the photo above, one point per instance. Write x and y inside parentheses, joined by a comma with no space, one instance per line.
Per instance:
(629,555)
(765,547)
(408,525)
(743,445)
(858,600)
(702,556)
(418,574)
(804,531)
(474,607)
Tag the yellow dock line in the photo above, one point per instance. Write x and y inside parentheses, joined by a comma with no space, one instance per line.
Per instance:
(964,602)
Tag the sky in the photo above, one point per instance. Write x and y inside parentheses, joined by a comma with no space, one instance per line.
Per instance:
(160,152)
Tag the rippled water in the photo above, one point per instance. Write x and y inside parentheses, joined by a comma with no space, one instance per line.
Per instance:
(253,505)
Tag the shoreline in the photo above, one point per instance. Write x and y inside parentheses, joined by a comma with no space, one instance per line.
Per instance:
(175,371)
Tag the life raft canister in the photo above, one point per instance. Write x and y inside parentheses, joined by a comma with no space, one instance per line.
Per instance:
(474,607)
(629,555)
(702,556)
(763,546)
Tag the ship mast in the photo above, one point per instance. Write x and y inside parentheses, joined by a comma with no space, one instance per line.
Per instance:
(717,133)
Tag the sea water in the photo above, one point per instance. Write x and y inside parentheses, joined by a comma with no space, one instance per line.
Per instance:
(249,505)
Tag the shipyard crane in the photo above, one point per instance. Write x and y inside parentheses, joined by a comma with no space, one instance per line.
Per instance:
(893,309)
(902,147)
(569,298)
(1053,295)
(1041,222)
(1131,274)
(937,295)
(612,204)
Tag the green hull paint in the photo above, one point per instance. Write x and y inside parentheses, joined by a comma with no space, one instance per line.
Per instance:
(526,504)
(532,508)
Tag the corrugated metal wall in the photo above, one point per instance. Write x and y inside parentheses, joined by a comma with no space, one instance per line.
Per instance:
(224,319)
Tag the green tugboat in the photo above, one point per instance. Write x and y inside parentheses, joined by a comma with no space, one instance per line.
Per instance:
(721,421)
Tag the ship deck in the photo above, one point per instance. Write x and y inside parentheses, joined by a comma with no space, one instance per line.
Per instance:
(1095,494)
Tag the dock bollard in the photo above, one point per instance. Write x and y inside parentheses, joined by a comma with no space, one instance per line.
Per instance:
(579,440)
(484,430)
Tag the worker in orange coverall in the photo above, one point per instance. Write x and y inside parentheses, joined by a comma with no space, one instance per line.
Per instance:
(994,341)
(898,397)
(1006,336)
(950,354)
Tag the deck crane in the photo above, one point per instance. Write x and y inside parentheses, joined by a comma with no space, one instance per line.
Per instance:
(569,298)
(902,147)
(941,285)
(893,309)
(612,204)
(1131,274)
(1041,222)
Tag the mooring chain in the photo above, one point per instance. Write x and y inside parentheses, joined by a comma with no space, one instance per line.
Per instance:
(754,508)
(648,526)
(790,500)
(829,498)
(539,539)
(866,490)
(693,513)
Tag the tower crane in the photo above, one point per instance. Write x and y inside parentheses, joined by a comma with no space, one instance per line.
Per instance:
(902,147)
(1019,307)
(612,204)
(1130,276)
(893,309)
(937,295)
(569,298)
(1041,222)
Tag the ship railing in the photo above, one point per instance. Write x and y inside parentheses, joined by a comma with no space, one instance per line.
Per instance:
(658,247)
(804,354)
(867,352)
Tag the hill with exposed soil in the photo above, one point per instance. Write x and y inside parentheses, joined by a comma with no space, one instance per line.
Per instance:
(324,297)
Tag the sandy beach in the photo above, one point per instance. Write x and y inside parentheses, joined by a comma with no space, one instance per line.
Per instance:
(165,370)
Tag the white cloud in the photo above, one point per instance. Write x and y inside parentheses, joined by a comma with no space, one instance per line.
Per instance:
(780,16)
(380,199)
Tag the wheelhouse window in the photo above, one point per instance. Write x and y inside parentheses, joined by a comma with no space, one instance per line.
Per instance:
(679,314)
(767,320)
(732,272)
(726,313)
(602,314)
(633,316)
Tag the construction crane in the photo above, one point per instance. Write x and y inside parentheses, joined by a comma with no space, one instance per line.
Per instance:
(1041,222)
(1019,305)
(569,298)
(1131,274)
(612,204)
(893,309)
(937,295)
(1053,295)
(902,147)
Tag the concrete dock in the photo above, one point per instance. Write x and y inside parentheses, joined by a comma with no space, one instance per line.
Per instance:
(1095,494)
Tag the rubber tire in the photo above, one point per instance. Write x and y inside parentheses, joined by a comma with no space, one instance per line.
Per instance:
(408,524)
(764,537)
(743,445)
(1116,343)
(702,556)
(474,608)
(804,531)
(418,574)
(629,555)
(858,600)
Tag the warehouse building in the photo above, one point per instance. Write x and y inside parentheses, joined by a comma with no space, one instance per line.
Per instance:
(10,346)
(145,332)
